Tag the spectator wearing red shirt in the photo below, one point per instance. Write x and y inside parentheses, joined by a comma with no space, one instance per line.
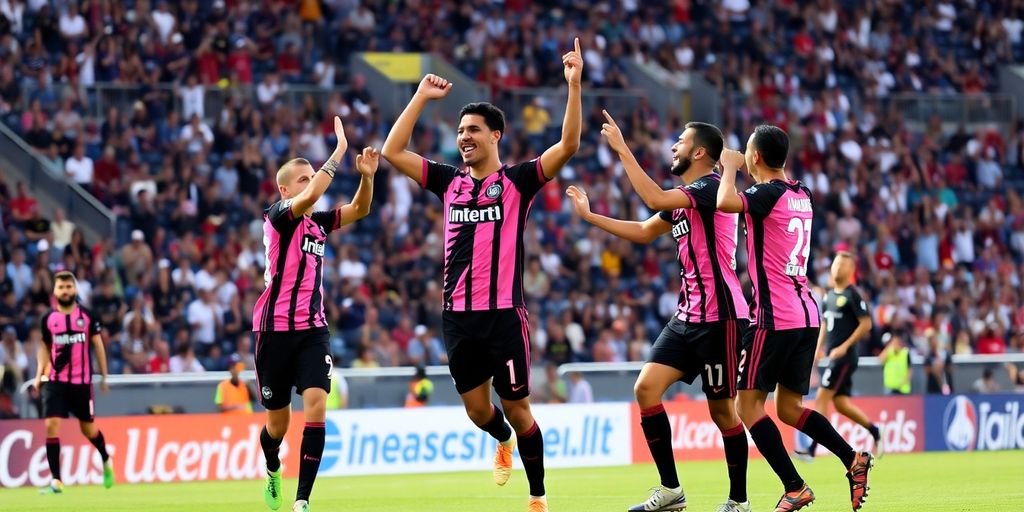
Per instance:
(990,342)
(22,205)
(161,360)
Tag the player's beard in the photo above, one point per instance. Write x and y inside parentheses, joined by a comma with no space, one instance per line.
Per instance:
(683,165)
(66,303)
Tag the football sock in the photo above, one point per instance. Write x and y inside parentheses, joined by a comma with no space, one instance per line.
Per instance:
(271,448)
(497,427)
(53,456)
(658,433)
(101,446)
(769,442)
(819,429)
(531,451)
(735,442)
(310,453)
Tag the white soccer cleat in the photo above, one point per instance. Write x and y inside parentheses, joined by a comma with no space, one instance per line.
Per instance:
(880,443)
(300,506)
(734,506)
(662,499)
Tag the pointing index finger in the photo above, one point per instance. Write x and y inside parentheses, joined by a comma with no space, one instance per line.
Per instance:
(609,118)
(577,45)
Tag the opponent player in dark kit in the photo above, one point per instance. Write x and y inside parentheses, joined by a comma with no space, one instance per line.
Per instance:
(69,331)
(292,346)
(703,337)
(486,206)
(778,349)
(847,321)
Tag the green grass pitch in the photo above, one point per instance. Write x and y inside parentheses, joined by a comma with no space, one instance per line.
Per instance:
(922,482)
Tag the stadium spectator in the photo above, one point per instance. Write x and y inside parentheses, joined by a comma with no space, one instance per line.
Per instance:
(184,360)
(986,383)
(580,391)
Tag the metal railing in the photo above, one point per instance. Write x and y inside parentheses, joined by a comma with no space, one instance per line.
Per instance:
(958,109)
(49,185)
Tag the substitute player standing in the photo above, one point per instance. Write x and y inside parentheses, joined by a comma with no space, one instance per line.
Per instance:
(486,205)
(292,341)
(847,321)
(68,333)
(778,349)
(703,337)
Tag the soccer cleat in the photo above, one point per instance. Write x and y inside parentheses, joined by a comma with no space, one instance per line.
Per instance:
(55,487)
(272,490)
(803,456)
(108,474)
(503,460)
(858,477)
(662,499)
(795,500)
(734,506)
(537,504)
(300,506)
(880,442)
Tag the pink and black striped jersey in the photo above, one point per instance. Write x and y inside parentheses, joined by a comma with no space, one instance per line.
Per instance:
(779,215)
(69,336)
(710,290)
(293,298)
(483,232)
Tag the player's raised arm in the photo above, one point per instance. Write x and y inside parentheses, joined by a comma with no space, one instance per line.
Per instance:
(652,195)
(322,178)
(556,156)
(729,199)
(432,87)
(637,232)
(366,166)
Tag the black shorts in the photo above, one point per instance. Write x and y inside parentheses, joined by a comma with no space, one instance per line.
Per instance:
(778,357)
(708,349)
(61,399)
(838,376)
(292,358)
(494,344)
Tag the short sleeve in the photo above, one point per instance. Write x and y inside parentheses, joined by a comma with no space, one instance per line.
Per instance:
(703,195)
(858,304)
(759,200)
(436,177)
(280,215)
(45,329)
(667,216)
(528,177)
(329,220)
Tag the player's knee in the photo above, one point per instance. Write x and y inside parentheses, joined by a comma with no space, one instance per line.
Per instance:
(86,429)
(790,413)
(723,413)
(646,394)
(314,406)
(52,427)
(480,415)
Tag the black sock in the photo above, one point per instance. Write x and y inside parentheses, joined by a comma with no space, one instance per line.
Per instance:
(53,456)
(819,429)
(101,446)
(735,443)
(309,463)
(271,448)
(875,434)
(531,451)
(497,427)
(769,442)
(658,433)
(812,448)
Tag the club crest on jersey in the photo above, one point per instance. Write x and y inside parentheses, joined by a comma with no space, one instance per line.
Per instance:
(80,323)
(493,191)
(312,246)
(470,215)
(681,229)
(841,301)
(267,393)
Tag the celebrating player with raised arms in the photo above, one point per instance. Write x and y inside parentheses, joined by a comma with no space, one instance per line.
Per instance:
(703,336)
(778,349)
(486,206)
(292,340)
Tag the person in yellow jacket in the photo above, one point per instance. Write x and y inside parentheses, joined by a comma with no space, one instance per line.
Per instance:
(233,394)
(420,389)
(896,369)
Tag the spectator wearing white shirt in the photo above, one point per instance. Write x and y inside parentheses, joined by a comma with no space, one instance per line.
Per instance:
(72,24)
(580,391)
(164,21)
(192,96)
(185,361)
(19,273)
(62,229)
(196,135)
(351,269)
(205,318)
(268,89)
(989,174)
(80,167)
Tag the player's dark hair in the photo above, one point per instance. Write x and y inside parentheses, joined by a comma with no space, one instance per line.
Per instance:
(707,136)
(64,275)
(493,116)
(773,144)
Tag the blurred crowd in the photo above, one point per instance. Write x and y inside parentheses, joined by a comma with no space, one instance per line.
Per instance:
(934,213)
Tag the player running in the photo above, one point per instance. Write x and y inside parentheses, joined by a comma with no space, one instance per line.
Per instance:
(486,206)
(68,332)
(779,348)
(292,346)
(703,337)
(847,321)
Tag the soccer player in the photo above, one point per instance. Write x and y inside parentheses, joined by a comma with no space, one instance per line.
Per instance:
(486,205)
(68,333)
(778,349)
(292,345)
(703,336)
(847,321)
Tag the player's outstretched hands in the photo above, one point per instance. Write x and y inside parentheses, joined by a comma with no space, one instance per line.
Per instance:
(366,162)
(339,132)
(731,159)
(433,87)
(573,62)
(580,201)
(613,134)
